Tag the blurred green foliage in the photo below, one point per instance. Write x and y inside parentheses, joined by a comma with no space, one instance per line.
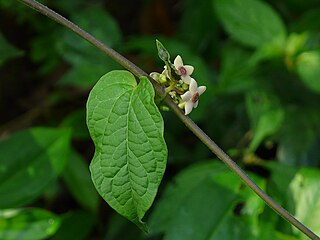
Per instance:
(260,61)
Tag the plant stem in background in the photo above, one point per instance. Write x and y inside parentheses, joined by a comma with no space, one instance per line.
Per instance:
(186,120)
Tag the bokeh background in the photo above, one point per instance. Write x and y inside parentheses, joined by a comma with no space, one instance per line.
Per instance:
(260,61)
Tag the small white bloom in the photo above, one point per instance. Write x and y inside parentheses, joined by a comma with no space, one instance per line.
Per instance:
(191,97)
(183,70)
(165,71)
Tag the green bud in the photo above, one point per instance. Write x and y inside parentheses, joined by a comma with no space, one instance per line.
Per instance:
(162,78)
(185,86)
(155,76)
(162,52)
(181,105)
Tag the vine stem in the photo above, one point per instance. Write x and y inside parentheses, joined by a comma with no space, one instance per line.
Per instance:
(185,119)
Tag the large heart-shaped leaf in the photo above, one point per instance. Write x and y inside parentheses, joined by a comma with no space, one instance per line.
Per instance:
(130,155)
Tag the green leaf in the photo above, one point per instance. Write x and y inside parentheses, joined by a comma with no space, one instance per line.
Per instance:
(281,236)
(100,24)
(268,124)
(308,67)
(305,188)
(192,31)
(302,150)
(85,74)
(266,116)
(88,63)
(280,177)
(30,161)
(77,177)
(7,51)
(131,153)
(236,71)
(26,224)
(177,192)
(192,207)
(251,22)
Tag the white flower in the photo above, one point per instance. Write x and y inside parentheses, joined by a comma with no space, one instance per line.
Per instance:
(165,71)
(183,70)
(191,97)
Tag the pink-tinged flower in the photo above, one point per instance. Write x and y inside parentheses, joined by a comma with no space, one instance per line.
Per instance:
(191,97)
(183,70)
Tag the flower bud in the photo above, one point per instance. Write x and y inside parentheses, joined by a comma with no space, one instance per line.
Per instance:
(162,52)
(155,76)
(162,78)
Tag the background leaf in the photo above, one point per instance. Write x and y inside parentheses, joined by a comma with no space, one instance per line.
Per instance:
(87,62)
(40,156)
(193,198)
(251,22)
(266,116)
(77,177)
(305,188)
(236,71)
(127,130)
(308,67)
(26,224)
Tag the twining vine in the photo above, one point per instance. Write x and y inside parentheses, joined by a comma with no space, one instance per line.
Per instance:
(161,91)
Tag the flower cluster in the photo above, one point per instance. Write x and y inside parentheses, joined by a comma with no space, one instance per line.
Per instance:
(177,81)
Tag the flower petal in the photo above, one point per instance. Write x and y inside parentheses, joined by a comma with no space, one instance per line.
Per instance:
(186,79)
(188,107)
(189,69)
(196,104)
(165,72)
(201,89)
(186,96)
(193,86)
(178,62)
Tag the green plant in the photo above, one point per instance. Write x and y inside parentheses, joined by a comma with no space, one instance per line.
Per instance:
(127,129)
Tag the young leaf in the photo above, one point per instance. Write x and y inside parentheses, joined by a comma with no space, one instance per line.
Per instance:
(308,67)
(130,155)
(30,161)
(25,224)
(251,22)
(266,115)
